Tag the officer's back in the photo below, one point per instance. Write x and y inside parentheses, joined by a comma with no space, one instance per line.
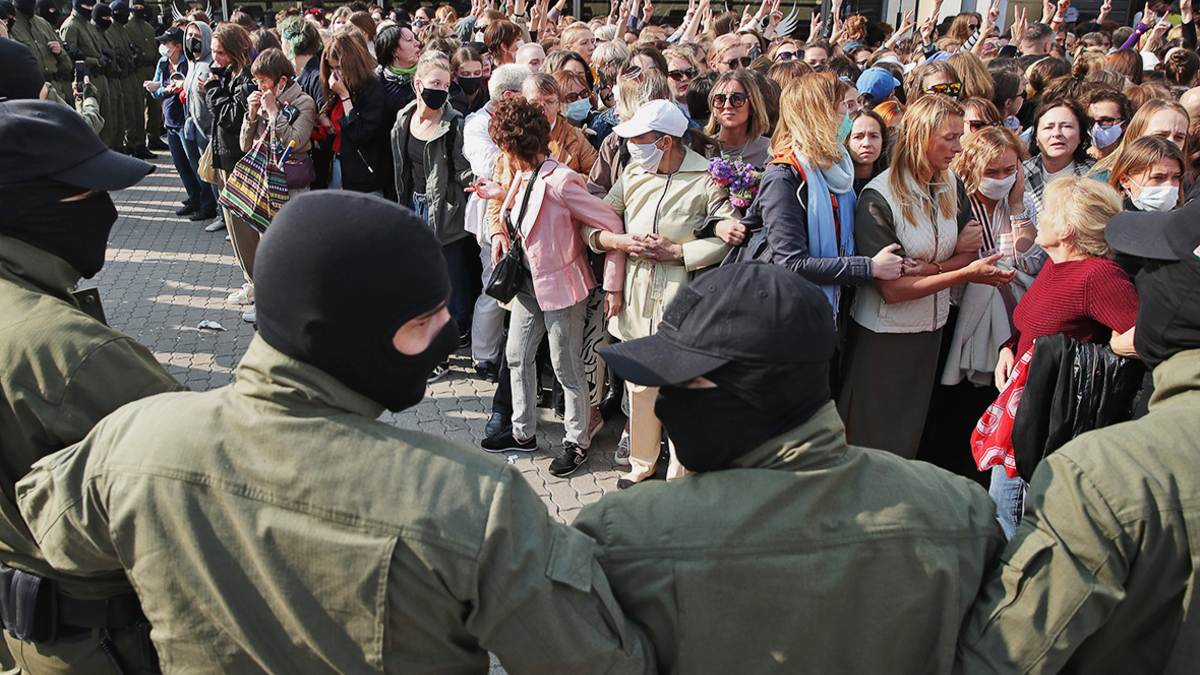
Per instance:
(275,526)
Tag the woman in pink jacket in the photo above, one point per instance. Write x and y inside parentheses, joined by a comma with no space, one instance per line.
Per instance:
(556,220)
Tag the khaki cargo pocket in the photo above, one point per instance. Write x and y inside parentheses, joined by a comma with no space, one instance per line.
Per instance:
(1016,565)
(572,554)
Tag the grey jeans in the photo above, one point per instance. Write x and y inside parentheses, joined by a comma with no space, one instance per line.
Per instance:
(526,327)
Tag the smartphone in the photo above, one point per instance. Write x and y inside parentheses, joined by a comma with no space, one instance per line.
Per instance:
(177,77)
(80,73)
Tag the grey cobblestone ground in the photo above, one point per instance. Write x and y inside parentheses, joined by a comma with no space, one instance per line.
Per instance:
(165,274)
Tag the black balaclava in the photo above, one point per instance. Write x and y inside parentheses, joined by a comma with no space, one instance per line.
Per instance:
(120,12)
(102,16)
(141,12)
(22,75)
(26,7)
(1168,319)
(76,231)
(336,275)
(48,11)
(84,7)
(751,404)
(8,13)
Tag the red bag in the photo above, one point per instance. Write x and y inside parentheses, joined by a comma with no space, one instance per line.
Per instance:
(991,442)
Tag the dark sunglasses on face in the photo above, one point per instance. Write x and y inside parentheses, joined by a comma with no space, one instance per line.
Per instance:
(952,89)
(785,56)
(745,62)
(678,75)
(573,96)
(976,125)
(735,100)
(973,26)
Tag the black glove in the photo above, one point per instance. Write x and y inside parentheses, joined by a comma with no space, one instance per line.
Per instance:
(105,62)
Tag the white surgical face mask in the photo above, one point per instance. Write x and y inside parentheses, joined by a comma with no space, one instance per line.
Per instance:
(1102,137)
(164,51)
(996,188)
(1159,198)
(646,155)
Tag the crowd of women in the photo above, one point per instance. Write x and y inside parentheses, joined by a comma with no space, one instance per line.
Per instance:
(947,184)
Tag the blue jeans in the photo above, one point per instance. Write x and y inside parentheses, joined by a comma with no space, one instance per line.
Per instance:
(187,174)
(208,192)
(1009,495)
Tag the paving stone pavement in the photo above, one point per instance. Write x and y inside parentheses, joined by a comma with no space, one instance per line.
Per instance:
(164,275)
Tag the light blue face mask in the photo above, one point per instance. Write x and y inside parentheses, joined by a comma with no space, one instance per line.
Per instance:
(844,130)
(578,111)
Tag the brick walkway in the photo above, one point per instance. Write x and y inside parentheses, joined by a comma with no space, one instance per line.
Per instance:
(165,275)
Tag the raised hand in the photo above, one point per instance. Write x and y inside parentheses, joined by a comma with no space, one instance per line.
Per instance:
(1107,7)
(815,27)
(1063,6)
(1018,27)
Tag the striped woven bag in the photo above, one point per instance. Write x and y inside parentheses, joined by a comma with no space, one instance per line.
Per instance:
(257,186)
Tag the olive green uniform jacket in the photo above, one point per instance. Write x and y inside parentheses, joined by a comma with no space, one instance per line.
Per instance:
(62,372)
(809,556)
(1101,576)
(36,33)
(275,526)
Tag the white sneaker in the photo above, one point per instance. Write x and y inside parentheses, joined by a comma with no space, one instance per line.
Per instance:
(622,455)
(215,226)
(250,315)
(242,296)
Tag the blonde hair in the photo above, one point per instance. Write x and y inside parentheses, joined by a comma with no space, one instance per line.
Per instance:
(910,160)
(809,120)
(638,89)
(976,78)
(607,52)
(759,119)
(1141,154)
(982,148)
(432,60)
(1078,208)
(569,34)
(720,45)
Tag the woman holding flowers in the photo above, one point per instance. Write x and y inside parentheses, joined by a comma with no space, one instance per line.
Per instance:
(665,195)
(803,217)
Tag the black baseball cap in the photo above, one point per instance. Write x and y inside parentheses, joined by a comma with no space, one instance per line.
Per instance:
(1170,236)
(172,34)
(44,140)
(747,312)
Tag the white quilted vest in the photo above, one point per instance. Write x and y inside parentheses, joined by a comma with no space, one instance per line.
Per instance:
(924,240)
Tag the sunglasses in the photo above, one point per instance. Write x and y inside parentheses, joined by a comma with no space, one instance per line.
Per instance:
(952,90)
(976,125)
(973,26)
(678,75)
(745,62)
(735,100)
(573,96)
(786,56)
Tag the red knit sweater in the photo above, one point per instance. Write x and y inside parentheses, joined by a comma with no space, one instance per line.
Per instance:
(1084,299)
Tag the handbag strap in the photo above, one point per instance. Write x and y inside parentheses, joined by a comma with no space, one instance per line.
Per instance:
(513,232)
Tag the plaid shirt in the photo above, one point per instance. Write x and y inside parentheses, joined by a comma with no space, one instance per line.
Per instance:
(1035,178)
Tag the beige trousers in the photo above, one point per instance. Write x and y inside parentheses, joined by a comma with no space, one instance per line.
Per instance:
(645,434)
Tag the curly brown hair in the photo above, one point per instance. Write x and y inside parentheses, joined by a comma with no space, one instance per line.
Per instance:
(521,131)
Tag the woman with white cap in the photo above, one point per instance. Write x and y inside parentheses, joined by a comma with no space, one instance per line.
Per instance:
(665,195)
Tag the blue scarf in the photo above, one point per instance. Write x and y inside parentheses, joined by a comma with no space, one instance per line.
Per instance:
(823,239)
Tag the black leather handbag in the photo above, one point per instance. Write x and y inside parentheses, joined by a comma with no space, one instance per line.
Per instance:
(510,276)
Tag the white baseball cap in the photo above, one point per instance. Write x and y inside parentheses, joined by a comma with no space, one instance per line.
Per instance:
(660,115)
(1149,61)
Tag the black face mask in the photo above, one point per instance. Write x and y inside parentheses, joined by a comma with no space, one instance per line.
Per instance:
(26,7)
(193,46)
(103,23)
(48,12)
(470,85)
(434,98)
(1168,311)
(83,7)
(712,427)
(336,276)
(220,71)
(76,231)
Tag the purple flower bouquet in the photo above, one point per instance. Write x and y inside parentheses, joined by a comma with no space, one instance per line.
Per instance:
(739,178)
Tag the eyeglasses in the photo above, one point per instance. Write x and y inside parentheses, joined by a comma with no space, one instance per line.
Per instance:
(785,56)
(976,125)
(735,100)
(745,62)
(573,96)
(973,26)
(678,75)
(952,89)
(1108,121)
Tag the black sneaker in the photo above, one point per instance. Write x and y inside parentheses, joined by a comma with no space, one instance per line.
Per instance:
(203,215)
(438,373)
(571,458)
(505,440)
(187,210)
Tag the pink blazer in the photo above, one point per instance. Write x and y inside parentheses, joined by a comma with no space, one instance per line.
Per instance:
(559,207)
